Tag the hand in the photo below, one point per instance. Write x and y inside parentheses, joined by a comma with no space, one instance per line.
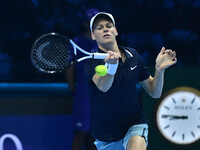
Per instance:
(113,58)
(173,117)
(165,59)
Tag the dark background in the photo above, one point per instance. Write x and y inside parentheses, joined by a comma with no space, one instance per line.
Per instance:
(145,25)
(43,105)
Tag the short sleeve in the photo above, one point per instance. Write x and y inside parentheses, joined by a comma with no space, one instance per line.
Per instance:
(144,74)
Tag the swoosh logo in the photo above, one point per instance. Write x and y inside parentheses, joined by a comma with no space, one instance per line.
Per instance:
(132,68)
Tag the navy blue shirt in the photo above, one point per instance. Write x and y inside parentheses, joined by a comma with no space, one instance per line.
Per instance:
(115,111)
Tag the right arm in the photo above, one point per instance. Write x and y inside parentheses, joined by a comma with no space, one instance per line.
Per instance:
(104,83)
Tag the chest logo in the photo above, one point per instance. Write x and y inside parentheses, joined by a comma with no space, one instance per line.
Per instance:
(132,68)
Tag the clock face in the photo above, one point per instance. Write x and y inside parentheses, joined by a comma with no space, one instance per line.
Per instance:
(178,116)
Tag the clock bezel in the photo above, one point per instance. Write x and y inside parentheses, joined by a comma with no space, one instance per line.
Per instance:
(177,89)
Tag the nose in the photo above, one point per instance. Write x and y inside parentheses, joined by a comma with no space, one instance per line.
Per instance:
(105,30)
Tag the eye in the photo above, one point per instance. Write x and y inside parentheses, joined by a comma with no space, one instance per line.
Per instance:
(99,27)
(110,25)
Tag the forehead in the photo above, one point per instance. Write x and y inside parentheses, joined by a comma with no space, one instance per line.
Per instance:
(102,21)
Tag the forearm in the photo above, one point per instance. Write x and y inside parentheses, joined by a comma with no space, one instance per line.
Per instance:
(157,83)
(165,59)
(103,83)
(154,85)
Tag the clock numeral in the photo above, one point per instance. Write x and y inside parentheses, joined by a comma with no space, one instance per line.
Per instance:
(198,108)
(174,100)
(198,126)
(173,134)
(166,127)
(183,136)
(167,107)
(193,134)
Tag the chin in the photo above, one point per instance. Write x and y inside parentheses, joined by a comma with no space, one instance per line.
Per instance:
(108,41)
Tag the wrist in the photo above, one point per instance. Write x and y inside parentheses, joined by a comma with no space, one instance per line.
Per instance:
(112,68)
(159,70)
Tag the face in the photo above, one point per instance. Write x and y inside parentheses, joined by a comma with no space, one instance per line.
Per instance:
(104,32)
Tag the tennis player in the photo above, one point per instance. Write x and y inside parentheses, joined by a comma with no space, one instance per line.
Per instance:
(118,121)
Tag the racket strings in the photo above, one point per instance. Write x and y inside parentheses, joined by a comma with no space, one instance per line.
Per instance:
(52,53)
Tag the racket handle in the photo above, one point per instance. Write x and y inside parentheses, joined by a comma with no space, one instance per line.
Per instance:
(99,55)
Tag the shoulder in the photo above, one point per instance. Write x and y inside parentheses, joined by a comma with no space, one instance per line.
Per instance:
(133,51)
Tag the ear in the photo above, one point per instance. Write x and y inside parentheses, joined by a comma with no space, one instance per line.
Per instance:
(92,35)
(116,31)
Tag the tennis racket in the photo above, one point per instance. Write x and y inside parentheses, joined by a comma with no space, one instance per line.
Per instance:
(53,53)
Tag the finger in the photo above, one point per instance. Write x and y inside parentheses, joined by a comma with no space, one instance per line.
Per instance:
(162,50)
(169,52)
(107,58)
(110,59)
(174,54)
(174,60)
(113,58)
(110,52)
(116,56)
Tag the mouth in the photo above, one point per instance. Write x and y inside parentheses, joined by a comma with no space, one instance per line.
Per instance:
(106,35)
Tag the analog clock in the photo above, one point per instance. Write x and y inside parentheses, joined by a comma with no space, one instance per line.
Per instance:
(178,116)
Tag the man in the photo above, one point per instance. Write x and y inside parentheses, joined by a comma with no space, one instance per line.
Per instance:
(78,85)
(118,121)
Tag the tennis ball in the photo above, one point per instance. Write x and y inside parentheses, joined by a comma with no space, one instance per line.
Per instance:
(101,70)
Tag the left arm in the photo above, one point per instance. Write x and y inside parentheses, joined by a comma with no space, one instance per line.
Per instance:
(154,85)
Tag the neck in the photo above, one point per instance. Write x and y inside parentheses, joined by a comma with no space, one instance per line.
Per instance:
(110,47)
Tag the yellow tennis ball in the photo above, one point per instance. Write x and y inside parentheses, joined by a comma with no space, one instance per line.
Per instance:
(101,70)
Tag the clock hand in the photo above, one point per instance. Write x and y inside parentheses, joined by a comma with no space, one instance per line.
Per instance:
(173,117)
(178,117)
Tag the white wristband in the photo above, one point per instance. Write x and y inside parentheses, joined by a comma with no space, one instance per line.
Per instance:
(112,68)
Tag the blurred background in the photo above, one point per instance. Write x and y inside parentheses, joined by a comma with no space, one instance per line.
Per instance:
(37,107)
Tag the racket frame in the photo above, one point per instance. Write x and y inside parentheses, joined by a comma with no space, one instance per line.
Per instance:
(75,48)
